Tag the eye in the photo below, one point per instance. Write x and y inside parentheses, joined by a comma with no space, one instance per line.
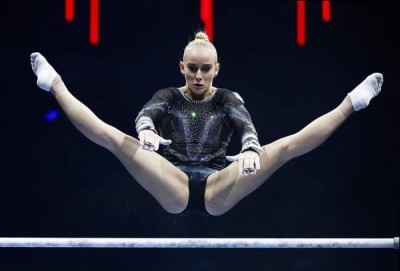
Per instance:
(192,68)
(205,69)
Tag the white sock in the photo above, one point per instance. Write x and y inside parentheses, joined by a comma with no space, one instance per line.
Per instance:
(43,70)
(364,92)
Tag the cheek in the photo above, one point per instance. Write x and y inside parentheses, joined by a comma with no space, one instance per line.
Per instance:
(189,75)
(208,76)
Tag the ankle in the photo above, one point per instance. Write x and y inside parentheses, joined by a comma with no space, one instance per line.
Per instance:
(56,85)
(346,107)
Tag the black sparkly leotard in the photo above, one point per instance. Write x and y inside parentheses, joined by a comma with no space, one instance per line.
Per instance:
(200,130)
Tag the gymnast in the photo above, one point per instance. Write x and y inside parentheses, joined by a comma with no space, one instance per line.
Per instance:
(194,123)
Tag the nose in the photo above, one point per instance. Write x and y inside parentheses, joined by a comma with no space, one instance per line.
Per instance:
(198,75)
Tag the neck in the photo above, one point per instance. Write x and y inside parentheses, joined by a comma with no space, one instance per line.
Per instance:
(204,96)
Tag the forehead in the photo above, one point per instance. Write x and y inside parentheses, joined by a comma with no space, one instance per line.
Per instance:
(199,55)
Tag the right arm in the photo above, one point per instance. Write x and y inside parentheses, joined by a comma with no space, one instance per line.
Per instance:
(153,111)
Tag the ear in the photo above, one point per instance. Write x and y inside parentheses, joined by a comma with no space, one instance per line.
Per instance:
(182,67)
(217,66)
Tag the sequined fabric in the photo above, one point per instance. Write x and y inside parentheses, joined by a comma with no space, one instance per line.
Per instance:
(200,130)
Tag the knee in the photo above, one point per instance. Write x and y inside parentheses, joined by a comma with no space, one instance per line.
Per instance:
(215,208)
(176,205)
(111,139)
(283,149)
(216,211)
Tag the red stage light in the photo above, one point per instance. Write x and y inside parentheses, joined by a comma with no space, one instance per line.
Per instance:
(206,15)
(326,11)
(301,23)
(69,10)
(94,22)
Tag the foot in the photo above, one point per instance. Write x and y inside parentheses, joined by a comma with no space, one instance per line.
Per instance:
(366,91)
(43,70)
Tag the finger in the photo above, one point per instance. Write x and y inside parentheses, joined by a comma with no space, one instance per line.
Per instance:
(257,162)
(253,167)
(165,142)
(248,162)
(149,140)
(232,158)
(146,140)
(240,162)
(148,145)
(156,144)
(248,165)
(249,171)
(141,139)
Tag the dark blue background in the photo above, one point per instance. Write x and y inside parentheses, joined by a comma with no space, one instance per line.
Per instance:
(56,183)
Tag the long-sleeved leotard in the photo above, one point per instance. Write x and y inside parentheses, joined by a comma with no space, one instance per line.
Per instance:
(200,130)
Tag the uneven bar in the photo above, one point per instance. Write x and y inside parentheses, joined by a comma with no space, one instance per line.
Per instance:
(29,242)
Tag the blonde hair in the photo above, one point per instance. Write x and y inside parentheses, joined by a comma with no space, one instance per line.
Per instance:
(201,40)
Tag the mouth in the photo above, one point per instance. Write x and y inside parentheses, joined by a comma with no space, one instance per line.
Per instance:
(198,85)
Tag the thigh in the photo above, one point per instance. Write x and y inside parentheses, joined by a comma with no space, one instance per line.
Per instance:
(164,181)
(226,188)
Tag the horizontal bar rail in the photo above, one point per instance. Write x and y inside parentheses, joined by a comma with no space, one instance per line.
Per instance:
(35,242)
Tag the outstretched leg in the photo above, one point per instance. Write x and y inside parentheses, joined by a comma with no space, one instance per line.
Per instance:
(226,188)
(158,176)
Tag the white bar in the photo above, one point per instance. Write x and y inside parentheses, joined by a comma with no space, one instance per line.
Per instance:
(199,242)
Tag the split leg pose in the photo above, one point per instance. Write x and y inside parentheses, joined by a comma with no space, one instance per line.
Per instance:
(226,187)
(166,182)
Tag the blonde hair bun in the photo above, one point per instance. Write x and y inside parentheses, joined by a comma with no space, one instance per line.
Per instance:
(201,40)
(202,36)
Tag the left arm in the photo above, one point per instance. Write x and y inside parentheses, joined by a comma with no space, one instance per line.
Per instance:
(248,158)
(242,123)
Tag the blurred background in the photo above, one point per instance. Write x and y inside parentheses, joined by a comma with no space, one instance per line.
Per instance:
(56,183)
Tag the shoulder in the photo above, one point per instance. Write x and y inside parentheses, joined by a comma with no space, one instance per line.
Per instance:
(166,93)
(230,96)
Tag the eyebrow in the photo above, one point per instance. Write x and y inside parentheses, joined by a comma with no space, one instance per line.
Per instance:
(205,65)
